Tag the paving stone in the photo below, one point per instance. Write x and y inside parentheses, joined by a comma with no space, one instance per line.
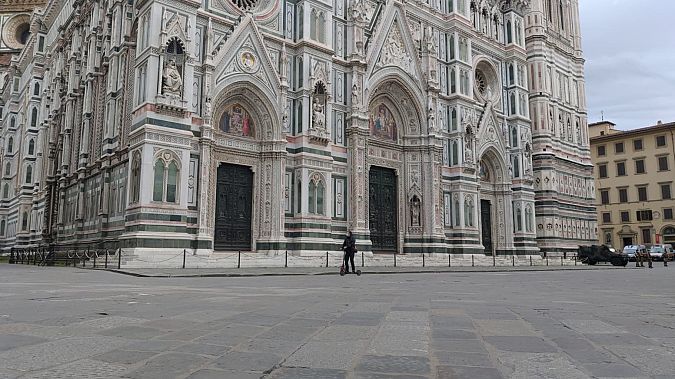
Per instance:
(203,349)
(618,339)
(469,346)
(170,324)
(345,333)
(256,319)
(360,318)
(463,372)
(132,332)
(463,359)
(84,368)
(613,370)
(244,361)
(540,365)
(284,332)
(9,374)
(185,335)
(12,341)
(58,352)
(279,347)
(374,375)
(504,328)
(455,334)
(394,364)
(409,316)
(307,373)
(154,345)
(591,326)
(109,322)
(653,360)
(521,344)
(339,355)
(126,357)
(305,322)
(173,364)
(222,374)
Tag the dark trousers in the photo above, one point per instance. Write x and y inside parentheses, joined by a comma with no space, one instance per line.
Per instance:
(349,257)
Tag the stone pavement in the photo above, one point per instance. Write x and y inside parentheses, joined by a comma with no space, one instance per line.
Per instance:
(73,323)
(296,271)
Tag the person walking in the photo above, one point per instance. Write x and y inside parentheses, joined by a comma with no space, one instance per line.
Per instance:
(349,247)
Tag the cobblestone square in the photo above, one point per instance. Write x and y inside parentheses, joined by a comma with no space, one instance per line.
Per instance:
(75,323)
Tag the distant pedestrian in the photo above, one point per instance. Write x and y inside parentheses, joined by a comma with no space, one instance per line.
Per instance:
(349,247)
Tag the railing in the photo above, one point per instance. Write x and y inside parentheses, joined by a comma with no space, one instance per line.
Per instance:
(95,258)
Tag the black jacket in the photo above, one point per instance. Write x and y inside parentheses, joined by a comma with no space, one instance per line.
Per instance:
(349,245)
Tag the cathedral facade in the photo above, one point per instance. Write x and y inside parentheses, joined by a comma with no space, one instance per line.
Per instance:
(423,126)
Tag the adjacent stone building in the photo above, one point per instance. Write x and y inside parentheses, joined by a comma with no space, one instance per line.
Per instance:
(450,126)
(634,180)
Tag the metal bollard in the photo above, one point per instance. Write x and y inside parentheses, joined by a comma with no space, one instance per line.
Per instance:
(239,259)
(449,261)
(184,254)
(423,264)
(95,260)
(472,264)
(394,259)
(119,258)
(286,263)
(547,260)
(362,259)
(513,260)
(106,258)
(326,259)
(575,260)
(561,261)
(530,260)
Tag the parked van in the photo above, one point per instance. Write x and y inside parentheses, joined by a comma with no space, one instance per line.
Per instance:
(661,252)
(630,250)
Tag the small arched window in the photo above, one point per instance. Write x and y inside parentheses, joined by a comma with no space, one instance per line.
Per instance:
(10,144)
(34,117)
(2,228)
(313,21)
(562,16)
(12,123)
(8,169)
(31,147)
(316,194)
(519,220)
(529,224)
(29,174)
(5,191)
(512,100)
(455,153)
(509,32)
(36,89)
(511,74)
(457,216)
(321,27)
(514,136)
(135,178)
(453,81)
(452,46)
(24,221)
(516,167)
(468,212)
(165,183)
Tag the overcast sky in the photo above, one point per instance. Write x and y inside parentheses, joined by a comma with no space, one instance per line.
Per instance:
(630,60)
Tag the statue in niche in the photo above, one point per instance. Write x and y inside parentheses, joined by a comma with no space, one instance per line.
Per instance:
(415,211)
(355,96)
(468,147)
(429,41)
(172,81)
(318,117)
(284,119)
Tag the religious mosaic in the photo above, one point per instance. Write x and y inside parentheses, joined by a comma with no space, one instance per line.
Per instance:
(237,121)
(382,123)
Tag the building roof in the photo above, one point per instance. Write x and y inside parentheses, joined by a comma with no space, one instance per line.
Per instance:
(621,134)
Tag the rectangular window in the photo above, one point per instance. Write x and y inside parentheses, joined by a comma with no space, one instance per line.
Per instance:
(665,191)
(620,168)
(637,144)
(604,196)
(623,195)
(642,193)
(618,147)
(625,216)
(663,163)
(667,213)
(602,151)
(660,141)
(606,217)
(644,215)
(639,166)
(646,236)
(602,171)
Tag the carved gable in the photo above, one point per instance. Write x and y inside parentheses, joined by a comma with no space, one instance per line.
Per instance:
(394,45)
(244,52)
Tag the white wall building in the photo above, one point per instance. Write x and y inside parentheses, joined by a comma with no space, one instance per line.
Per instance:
(450,126)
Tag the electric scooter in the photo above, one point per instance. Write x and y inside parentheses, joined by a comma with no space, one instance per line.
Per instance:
(343,271)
